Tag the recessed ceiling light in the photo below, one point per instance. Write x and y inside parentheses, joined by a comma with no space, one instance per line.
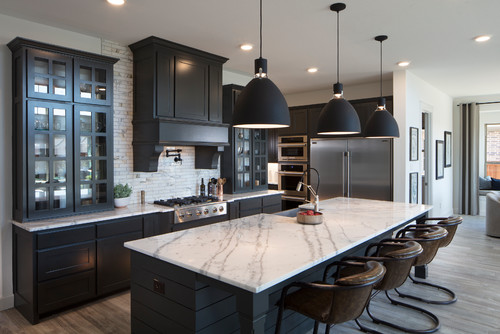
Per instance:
(116,2)
(404,63)
(482,38)
(246,47)
(312,69)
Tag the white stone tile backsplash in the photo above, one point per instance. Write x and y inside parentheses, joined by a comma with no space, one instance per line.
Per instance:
(171,180)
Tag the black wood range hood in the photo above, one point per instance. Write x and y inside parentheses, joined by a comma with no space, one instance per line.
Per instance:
(177,102)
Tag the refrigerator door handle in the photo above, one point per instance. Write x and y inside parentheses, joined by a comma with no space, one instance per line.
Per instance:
(345,170)
(348,174)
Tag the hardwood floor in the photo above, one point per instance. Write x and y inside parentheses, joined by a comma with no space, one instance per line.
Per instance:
(470,266)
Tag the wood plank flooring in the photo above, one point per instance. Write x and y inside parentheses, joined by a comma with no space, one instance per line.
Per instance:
(470,266)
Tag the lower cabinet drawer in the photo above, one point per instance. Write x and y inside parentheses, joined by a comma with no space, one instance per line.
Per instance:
(61,292)
(57,262)
(272,208)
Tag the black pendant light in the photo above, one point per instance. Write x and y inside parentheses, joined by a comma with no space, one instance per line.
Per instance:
(260,104)
(338,116)
(381,123)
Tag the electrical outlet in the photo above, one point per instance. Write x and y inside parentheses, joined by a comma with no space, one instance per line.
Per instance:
(158,286)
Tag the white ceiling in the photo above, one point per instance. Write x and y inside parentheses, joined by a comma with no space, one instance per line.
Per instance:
(436,36)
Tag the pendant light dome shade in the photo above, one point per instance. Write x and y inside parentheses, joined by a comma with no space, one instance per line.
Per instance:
(338,116)
(261,106)
(381,123)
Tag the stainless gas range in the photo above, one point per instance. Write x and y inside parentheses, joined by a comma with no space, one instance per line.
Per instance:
(195,211)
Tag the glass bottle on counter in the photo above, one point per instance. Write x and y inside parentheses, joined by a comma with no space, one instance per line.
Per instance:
(202,188)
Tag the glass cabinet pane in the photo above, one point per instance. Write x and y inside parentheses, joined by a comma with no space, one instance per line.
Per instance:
(86,194)
(100,146)
(100,75)
(101,193)
(41,171)
(85,170)
(100,122)
(59,69)
(59,146)
(85,121)
(59,86)
(41,118)
(101,170)
(59,119)
(41,85)
(41,198)
(41,145)
(60,195)
(100,92)
(86,91)
(41,65)
(85,73)
(59,171)
(85,146)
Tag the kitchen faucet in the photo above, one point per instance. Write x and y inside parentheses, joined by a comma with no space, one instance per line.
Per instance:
(315,195)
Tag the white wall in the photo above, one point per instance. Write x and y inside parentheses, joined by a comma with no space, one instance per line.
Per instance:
(9,29)
(412,96)
(351,92)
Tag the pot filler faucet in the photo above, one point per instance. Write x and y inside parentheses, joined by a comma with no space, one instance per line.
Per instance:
(315,201)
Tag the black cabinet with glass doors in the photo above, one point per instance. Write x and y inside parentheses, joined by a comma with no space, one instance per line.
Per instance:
(244,162)
(62,123)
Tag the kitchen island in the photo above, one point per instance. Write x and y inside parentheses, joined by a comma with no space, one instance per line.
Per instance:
(227,277)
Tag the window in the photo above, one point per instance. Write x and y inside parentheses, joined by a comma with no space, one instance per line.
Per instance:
(493,150)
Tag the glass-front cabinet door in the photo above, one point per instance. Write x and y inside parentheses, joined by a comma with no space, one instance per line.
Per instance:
(243,156)
(260,159)
(93,82)
(50,161)
(93,146)
(49,76)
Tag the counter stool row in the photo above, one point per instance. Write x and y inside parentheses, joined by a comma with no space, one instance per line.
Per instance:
(358,279)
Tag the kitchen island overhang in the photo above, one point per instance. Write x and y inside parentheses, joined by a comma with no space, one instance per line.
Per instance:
(251,259)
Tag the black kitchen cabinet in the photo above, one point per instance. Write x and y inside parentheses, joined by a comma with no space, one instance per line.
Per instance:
(298,122)
(255,205)
(272,145)
(177,99)
(244,162)
(113,259)
(57,268)
(62,146)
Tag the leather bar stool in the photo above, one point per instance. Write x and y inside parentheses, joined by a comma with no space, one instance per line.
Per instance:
(450,224)
(335,303)
(398,258)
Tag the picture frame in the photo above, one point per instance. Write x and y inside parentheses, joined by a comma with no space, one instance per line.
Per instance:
(414,187)
(447,149)
(439,159)
(413,144)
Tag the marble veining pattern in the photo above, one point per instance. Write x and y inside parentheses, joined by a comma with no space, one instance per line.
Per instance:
(257,252)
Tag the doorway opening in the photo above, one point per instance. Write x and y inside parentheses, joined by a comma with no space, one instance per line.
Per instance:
(426,157)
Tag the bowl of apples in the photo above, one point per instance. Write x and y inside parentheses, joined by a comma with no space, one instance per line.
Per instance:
(309,217)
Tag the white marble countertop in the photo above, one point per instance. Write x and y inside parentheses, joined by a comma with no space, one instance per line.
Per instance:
(236,197)
(257,252)
(129,211)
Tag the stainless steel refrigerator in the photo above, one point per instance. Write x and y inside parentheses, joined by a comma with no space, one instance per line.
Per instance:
(360,168)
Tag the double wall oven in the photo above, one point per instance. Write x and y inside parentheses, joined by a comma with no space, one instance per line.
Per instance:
(292,163)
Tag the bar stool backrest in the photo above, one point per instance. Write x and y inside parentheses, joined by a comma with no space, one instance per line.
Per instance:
(429,237)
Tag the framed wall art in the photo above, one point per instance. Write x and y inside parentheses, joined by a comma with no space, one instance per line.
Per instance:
(413,144)
(447,149)
(414,187)
(439,159)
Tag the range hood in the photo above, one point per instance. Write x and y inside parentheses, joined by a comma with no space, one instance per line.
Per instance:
(177,100)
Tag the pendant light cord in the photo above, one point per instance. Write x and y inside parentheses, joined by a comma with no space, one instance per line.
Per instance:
(260,28)
(380,68)
(338,57)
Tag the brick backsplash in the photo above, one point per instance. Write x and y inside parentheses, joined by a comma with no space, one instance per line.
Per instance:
(171,180)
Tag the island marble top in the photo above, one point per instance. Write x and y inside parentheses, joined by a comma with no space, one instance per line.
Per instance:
(257,252)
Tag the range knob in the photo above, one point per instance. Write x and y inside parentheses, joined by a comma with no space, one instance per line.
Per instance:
(214,210)
(181,215)
(198,212)
(188,214)
(221,208)
(206,211)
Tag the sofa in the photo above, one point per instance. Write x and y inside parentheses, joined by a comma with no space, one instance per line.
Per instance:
(493,214)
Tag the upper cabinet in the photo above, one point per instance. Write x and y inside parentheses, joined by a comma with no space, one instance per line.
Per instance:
(177,99)
(298,123)
(62,129)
